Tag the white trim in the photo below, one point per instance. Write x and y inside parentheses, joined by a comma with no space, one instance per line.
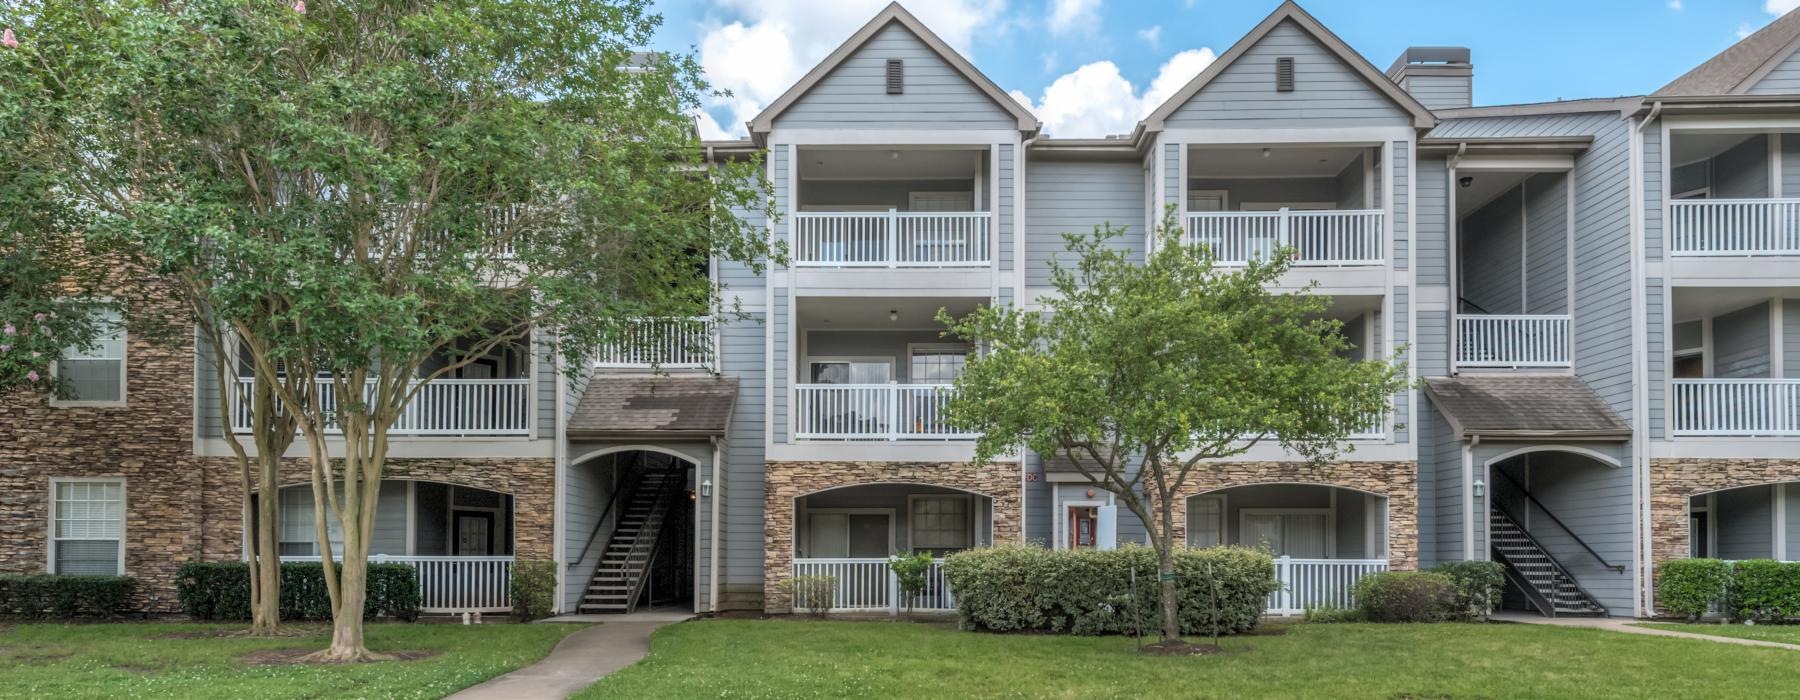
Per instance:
(1331,136)
(636,447)
(1515,164)
(1554,447)
(1329,512)
(1062,520)
(50,510)
(1774,143)
(1276,206)
(412,512)
(893,137)
(1690,194)
(1525,246)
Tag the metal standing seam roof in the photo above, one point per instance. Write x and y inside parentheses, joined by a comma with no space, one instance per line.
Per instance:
(654,405)
(1525,406)
(1733,70)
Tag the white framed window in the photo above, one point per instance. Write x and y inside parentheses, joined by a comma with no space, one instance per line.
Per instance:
(1206,521)
(935,363)
(850,370)
(96,375)
(87,527)
(857,533)
(295,522)
(940,522)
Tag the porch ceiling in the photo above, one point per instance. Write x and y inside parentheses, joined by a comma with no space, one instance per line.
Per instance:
(864,313)
(1304,161)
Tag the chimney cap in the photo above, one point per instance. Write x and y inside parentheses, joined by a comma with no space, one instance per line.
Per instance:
(1438,60)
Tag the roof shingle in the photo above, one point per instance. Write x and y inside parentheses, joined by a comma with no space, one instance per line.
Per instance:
(1516,406)
(1726,73)
(639,405)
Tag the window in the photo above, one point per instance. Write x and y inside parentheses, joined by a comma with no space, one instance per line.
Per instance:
(1206,521)
(852,533)
(940,523)
(937,364)
(296,525)
(96,375)
(851,371)
(1302,533)
(87,527)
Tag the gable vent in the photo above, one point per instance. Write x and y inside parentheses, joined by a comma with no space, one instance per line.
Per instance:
(896,76)
(1284,74)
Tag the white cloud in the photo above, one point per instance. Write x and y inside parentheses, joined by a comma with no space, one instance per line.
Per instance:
(1745,30)
(1069,15)
(1096,100)
(768,44)
(1675,5)
(1151,35)
(1780,7)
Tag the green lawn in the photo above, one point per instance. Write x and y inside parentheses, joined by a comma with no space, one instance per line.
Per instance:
(121,661)
(784,659)
(1769,633)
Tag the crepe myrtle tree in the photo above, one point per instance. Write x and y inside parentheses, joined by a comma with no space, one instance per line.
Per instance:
(1142,373)
(376,195)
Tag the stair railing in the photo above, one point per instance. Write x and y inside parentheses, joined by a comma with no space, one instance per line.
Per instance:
(652,529)
(1554,564)
(1559,523)
(1545,606)
(624,495)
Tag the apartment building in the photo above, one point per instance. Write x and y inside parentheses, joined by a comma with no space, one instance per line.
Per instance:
(1597,296)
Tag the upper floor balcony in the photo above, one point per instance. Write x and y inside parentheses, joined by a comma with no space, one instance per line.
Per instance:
(928,216)
(875,369)
(663,343)
(1513,272)
(1729,220)
(1734,363)
(1321,202)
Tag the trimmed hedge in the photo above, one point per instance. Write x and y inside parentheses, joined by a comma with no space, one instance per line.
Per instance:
(533,589)
(47,595)
(1764,590)
(1406,596)
(1477,588)
(1690,587)
(1013,588)
(221,591)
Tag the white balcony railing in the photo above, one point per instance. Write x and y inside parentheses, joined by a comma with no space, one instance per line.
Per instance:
(671,343)
(442,407)
(873,412)
(1513,340)
(453,584)
(865,585)
(891,239)
(1736,407)
(1734,227)
(1332,238)
(1318,583)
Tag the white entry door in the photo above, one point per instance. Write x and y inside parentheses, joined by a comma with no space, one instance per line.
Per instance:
(1297,534)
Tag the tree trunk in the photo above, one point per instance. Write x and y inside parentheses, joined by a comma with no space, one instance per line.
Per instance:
(1165,570)
(266,616)
(347,620)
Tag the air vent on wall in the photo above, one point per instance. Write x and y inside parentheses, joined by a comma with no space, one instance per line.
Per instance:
(896,76)
(1284,74)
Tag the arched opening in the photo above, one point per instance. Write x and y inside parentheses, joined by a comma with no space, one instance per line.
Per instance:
(630,531)
(1747,522)
(1324,537)
(1554,519)
(847,534)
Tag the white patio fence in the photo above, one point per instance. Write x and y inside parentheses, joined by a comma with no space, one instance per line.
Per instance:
(442,407)
(454,584)
(891,239)
(1331,238)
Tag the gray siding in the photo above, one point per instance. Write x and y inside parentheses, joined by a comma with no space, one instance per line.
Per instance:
(881,344)
(1039,527)
(1401,165)
(1547,244)
(1270,190)
(1008,208)
(206,391)
(854,95)
(543,387)
(1653,191)
(1656,352)
(738,276)
(1441,92)
(588,487)
(1784,79)
(1074,198)
(1445,458)
(1326,91)
(1745,523)
(741,521)
(1172,180)
(1491,250)
(1742,171)
(1790,166)
(1348,188)
(1402,336)
(1741,343)
(1591,498)
(1431,232)
(1791,513)
(1790,343)
(896,194)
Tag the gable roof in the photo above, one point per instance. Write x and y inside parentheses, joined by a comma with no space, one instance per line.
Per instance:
(765,121)
(1288,11)
(1736,69)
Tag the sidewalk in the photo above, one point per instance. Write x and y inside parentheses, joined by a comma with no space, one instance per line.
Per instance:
(576,662)
(1628,627)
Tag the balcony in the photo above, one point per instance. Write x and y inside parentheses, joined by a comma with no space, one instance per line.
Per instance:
(663,343)
(1318,238)
(892,239)
(1734,227)
(444,407)
(1736,407)
(1513,341)
(873,412)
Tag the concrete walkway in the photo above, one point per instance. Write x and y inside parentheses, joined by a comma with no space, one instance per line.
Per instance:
(1628,627)
(576,662)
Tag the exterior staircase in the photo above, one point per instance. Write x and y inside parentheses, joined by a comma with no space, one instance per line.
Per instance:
(624,566)
(1537,574)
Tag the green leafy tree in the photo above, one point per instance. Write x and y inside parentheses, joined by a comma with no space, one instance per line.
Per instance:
(371,196)
(910,572)
(1141,373)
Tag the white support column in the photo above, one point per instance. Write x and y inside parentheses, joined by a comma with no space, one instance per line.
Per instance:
(1775,164)
(1777,334)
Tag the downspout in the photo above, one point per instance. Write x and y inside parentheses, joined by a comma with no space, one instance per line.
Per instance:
(1019,301)
(712,557)
(1469,514)
(560,463)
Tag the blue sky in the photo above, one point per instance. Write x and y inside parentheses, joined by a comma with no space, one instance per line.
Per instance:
(1088,67)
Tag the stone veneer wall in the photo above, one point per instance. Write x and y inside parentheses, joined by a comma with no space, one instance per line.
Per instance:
(1674,481)
(786,481)
(1397,481)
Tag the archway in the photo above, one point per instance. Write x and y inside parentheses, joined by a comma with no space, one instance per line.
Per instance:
(630,530)
(1559,518)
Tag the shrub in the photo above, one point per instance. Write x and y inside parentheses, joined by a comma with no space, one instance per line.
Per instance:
(533,589)
(910,570)
(49,595)
(1764,590)
(1690,587)
(814,594)
(1021,588)
(1478,585)
(1405,596)
(221,591)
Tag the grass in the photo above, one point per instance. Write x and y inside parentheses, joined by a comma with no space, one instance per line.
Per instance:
(787,659)
(1768,633)
(177,660)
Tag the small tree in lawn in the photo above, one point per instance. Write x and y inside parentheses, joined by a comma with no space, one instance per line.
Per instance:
(910,571)
(1140,373)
